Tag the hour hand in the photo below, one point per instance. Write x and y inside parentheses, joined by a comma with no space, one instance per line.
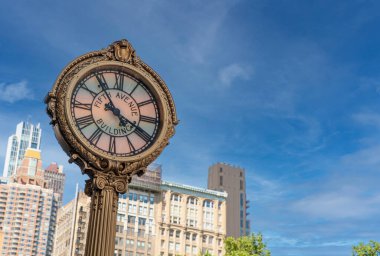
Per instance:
(108,106)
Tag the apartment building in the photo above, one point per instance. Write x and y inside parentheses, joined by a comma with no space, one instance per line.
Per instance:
(159,218)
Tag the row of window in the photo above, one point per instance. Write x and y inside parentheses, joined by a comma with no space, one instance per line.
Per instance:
(138,197)
(192,201)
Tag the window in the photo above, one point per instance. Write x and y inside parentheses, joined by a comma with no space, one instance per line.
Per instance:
(32,167)
(119,229)
(241,185)
(204,239)
(220,169)
(151,212)
(208,218)
(130,231)
(176,198)
(142,221)
(120,217)
(194,237)
(187,236)
(192,201)
(221,180)
(177,233)
(171,232)
(208,204)
(131,219)
(141,232)
(175,212)
(132,208)
(191,212)
(140,245)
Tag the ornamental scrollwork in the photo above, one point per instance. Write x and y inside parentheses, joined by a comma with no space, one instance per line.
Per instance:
(106,172)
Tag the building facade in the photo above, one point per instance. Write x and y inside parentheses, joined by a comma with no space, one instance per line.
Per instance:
(191,220)
(160,218)
(55,177)
(28,210)
(27,136)
(225,177)
(72,225)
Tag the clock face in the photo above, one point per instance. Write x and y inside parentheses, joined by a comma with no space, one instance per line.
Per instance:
(115,112)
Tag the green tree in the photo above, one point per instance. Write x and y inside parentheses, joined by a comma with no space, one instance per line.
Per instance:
(252,245)
(370,249)
(205,254)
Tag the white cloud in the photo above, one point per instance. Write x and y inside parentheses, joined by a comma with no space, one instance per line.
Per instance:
(230,73)
(204,23)
(15,91)
(339,205)
(372,119)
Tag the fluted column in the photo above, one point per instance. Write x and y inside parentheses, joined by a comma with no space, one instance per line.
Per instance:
(104,190)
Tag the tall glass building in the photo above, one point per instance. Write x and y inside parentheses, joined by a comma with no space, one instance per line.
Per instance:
(27,136)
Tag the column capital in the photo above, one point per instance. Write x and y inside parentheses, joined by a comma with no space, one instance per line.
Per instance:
(107,181)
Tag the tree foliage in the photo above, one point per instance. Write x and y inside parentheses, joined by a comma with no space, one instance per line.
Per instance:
(252,245)
(370,249)
(205,254)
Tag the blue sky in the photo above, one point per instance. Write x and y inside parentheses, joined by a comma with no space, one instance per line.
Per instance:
(289,90)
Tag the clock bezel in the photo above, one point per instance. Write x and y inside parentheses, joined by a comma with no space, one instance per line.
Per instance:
(131,70)
(91,162)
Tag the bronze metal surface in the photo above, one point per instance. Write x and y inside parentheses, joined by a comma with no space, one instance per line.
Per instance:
(108,175)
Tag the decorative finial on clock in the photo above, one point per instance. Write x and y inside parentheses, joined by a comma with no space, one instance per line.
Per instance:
(122,51)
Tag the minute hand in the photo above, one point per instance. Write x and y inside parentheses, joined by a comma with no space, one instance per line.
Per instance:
(104,88)
(138,130)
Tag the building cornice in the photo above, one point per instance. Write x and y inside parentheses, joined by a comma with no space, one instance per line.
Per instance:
(195,191)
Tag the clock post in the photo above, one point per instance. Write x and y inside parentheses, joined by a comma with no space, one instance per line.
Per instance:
(113,115)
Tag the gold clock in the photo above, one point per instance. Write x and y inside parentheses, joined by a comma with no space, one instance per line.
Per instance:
(111,111)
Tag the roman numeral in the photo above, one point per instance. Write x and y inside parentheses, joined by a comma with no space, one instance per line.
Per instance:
(84,86)
(112,145)
(94,138)
(84,121)
(137,85)
(142,134)
(148,119)
(81,105)
(102,81)
(119,81)
(144,102)
(131,147)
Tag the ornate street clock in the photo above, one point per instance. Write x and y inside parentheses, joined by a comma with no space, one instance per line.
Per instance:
(113,115)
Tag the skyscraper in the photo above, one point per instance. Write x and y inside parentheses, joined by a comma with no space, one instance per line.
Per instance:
(27,136)
(225,177)
(56,179)
(28,210)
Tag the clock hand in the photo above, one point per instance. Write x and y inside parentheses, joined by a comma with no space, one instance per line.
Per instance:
(104,88)
(139,131)
(124,121)
(110,106)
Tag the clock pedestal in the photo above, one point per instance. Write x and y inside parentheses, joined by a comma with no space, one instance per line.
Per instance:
(104,190)
(113,115)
